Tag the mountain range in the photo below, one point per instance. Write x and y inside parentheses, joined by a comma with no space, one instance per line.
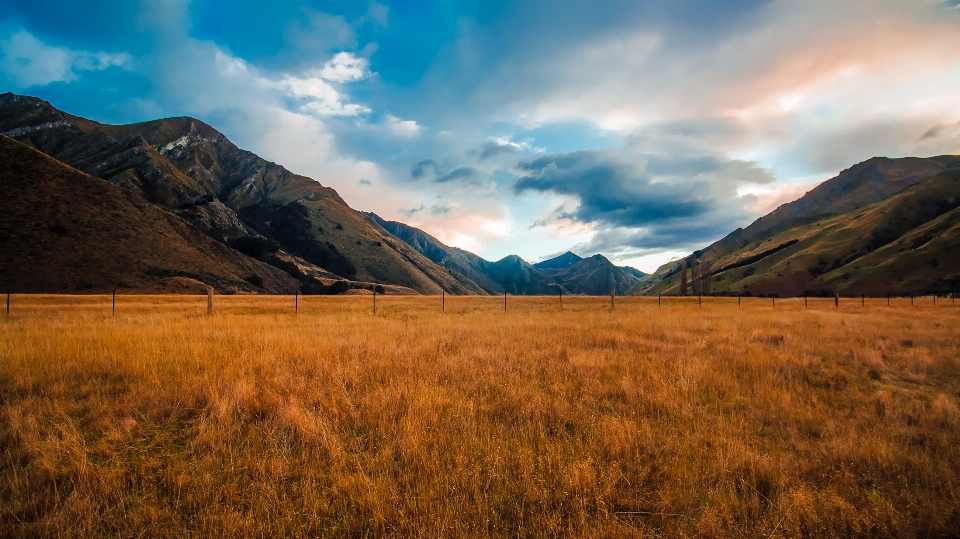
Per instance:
(173,205)
(881,226)
(244,224)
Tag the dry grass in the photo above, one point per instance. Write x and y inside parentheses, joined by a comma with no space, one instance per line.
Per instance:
(674,421)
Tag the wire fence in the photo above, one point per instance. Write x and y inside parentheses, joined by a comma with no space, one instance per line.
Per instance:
(113,304)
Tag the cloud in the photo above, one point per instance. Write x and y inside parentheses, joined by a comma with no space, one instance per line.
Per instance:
(316,33)
(496,148)
(345,67)
(655,199)
(463,174)
(940,129)
(424,168)
(29,62)
(403,128)
(377,13)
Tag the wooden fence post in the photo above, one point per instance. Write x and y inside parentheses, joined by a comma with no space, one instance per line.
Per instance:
(699,300)
(8,302)
(836,299)
(658,299)
(911,299)
(296,302)
(113,303)
(504,300)
(443,300)
(612,292)
(862,302)
(773,303)
(888,299)
(209,300)
(374,301)
(738,299)
(804,300)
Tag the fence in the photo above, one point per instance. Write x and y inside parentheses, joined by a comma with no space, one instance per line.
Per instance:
(292,304)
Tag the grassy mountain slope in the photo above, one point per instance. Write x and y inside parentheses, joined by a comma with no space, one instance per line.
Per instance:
(462,265)
(906,243)
(64,231)
(182,164)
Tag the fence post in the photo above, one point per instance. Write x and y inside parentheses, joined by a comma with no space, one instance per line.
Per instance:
(934,298)
(612,303)
(296,302)
(113,303)
(738,299)
(888,299)
(658,299)
(561,298)
(8,302)
(504,300)
(911,299)
(804,300)
(443,300)
(774,302)
(374,301)
(836,299)
(209,300)
(699,300)
(862,302)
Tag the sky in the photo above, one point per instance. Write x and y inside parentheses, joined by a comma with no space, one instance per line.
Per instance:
(641,130)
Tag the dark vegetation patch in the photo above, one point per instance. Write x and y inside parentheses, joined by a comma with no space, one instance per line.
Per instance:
(339,287)
(757,257)
(255,246)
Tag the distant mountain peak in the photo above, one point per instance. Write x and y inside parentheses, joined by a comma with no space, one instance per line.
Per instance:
(563,261)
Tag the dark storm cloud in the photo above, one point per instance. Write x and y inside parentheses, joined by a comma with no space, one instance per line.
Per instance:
(643,201)
(613,191)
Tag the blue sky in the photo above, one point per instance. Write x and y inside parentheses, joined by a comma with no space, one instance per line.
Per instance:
(640,130)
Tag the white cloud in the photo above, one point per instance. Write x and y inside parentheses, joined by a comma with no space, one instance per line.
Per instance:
(30,62)
(404,128)
(345,67)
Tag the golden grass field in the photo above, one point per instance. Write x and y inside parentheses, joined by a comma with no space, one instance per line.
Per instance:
(647,421)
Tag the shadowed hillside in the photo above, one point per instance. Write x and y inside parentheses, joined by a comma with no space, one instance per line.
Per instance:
(64,231)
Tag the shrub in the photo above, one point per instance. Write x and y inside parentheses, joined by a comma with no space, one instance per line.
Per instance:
(255,246)
(255,280)
(339,287)
(379,289)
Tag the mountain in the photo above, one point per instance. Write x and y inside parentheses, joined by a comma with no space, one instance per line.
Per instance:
(884,225)
(187,167)
(65,231)
(595,276)
(567,272)
(466,267)
(592,276)
(518,277)
(563,261)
